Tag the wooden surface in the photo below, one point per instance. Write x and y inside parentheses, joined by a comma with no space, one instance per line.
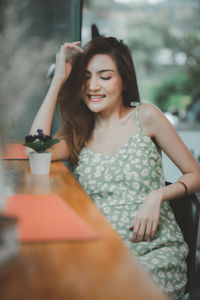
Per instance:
(92,270)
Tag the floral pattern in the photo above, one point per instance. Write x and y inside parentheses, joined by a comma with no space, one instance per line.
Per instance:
(118,185)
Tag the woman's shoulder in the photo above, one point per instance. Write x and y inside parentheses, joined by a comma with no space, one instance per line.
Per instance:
(151,118)
(149,112)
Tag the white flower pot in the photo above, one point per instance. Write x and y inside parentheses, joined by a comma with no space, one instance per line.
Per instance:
(40,163)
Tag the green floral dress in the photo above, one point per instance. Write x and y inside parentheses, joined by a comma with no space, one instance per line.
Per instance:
(118,185)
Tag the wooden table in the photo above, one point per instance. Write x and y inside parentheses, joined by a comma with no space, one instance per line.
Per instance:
(92,270)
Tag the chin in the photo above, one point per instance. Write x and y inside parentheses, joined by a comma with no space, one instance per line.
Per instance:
(95,107)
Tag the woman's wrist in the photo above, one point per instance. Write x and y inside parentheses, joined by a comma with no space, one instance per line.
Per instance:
(168,192)
(157,194)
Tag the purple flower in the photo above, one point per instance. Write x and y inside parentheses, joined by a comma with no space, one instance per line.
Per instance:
(29,138)
(40,132)
(41,136)
(40,142)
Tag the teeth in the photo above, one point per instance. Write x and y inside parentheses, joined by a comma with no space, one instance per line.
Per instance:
(96,97)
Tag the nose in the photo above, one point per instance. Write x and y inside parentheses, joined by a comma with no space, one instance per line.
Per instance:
(94,84)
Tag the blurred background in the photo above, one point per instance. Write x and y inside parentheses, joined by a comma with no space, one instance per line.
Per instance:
(163,36)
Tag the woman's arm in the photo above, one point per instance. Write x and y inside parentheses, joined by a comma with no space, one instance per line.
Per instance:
(167,139)
(158,127)
(44,117)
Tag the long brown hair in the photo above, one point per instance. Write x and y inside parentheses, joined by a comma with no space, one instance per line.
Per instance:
(77,120)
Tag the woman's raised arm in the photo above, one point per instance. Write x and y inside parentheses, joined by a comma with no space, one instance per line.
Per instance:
(44,117)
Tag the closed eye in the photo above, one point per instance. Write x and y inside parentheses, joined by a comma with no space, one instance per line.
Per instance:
(105,78)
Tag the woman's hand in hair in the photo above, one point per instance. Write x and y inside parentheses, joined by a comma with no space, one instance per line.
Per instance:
(64,60)
(146,222)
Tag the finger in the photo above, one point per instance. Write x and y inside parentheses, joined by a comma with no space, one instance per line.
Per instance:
(141,232)
(72,46)
(134,237)
(134,223)
(70,57)
(77,42)
(73,43)
(136,227)
(131,227)
(148,231)
(154,229)
(68,49)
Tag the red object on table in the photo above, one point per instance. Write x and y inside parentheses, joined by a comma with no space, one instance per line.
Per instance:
(14,151)
(47,218)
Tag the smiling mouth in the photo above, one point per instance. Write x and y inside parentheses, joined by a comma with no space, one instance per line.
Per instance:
(96,98)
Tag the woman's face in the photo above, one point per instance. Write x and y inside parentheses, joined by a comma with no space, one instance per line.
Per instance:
(102,90)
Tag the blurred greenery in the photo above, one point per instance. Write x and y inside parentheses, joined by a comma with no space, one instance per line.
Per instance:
(172,29)
(173,93)
(165,44)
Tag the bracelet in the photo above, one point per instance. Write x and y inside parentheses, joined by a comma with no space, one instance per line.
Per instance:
(185,186)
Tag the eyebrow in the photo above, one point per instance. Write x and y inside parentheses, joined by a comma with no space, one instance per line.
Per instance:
(101,71)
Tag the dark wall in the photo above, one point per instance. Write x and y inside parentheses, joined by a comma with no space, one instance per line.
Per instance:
(53,21)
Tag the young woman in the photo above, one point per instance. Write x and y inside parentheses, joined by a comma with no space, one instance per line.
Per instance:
(113,145)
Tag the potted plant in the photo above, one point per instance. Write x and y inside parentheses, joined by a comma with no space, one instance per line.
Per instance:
(40,158)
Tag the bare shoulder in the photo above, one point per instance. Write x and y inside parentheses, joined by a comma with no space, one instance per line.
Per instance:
(150,117)
(148,112)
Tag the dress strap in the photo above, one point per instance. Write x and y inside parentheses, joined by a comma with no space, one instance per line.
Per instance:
(137,104)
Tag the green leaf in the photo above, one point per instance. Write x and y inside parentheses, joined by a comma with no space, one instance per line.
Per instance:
(50,143)
(40,146)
